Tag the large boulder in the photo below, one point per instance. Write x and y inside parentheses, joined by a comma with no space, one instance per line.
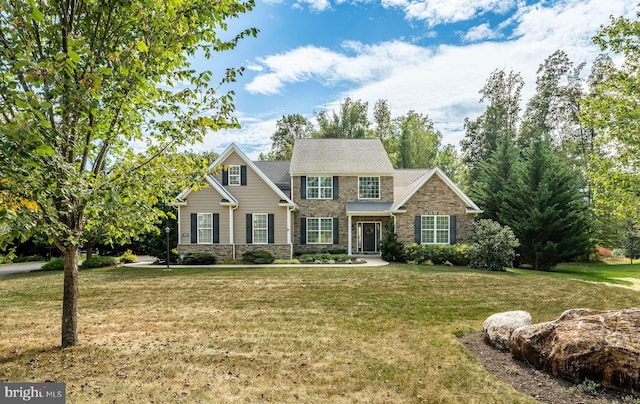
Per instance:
(498,327)
(602,346)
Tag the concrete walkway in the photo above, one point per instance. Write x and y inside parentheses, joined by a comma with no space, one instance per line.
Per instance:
(147,262)
(20,268)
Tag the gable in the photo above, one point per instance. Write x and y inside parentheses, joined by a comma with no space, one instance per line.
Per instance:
(435,182)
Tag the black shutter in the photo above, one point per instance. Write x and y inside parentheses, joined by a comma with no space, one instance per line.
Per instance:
(216,228)
(303,187)
(194,228)
(452,229)
(270,221)
(336,232)
(243,175)
(335,187)
(225,176)
(303,230)
(249,228)
(418,229)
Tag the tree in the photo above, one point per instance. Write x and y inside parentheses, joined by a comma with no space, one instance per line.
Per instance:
(612,109)
(418,141)
(288,129)
(351,122)
(92,108)
(631,242)
(545,209)
(489,190)
(500,119)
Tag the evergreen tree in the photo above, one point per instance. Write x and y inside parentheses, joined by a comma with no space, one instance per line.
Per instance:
(493,176)
(545,209)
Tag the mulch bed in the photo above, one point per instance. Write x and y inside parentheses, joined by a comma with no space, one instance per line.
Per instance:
(525,378)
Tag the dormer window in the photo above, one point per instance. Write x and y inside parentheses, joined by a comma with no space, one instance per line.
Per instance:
(368,187)
(234,175)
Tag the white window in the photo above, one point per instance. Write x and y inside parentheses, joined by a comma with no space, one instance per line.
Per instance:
(368,187)
(319,187)
(319,230)
(234,175)
(205,228)
(435,229)
(260,228)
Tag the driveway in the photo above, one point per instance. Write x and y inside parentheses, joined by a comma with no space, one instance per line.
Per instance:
(19,268)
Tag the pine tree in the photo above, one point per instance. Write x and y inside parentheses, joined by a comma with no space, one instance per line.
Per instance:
(488,191)
(544,207)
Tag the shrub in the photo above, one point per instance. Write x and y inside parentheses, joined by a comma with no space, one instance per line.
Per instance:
(28,258)
(4,259)
(257,257)
(337,251)
(390,247)
(604,253)
(99,261)
(199,258)
(56,264)
(291,261)
(128,257)
(492,246)
(414,252)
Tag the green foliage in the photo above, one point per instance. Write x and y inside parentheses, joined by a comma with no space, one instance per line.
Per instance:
(199,258)
(631,242)
(4,259)
(492,246)
(128,257)
(288,129)
(545,209)
(257,257)
(324,258)
(456,254)
(55,264)
(28,258)
(351,122)
(390,247)
(287,262)
(99,262)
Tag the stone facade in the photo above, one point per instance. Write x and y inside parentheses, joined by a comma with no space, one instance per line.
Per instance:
(434,198)
(225,251)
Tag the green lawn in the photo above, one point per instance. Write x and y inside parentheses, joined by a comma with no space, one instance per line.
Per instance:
(356,334)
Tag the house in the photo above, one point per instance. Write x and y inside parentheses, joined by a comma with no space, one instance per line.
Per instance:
(334,194)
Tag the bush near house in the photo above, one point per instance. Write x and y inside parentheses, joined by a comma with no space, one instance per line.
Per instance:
(200,258)
(493,246)
(257,257)
(99,261)
(324,258)
(28,258)
(457,254)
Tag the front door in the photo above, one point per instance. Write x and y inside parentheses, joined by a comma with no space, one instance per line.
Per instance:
(369,237)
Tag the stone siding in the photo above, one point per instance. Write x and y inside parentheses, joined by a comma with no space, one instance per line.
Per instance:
(434,198)
(225,251)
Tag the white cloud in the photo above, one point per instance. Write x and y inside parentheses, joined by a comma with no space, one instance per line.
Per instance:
(439,12)
(479,33)
(316,5)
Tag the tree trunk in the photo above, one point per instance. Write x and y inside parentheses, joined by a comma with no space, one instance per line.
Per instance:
(89,250)
(70,298)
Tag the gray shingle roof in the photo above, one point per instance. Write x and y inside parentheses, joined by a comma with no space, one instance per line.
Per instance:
(340,156)
(278,173)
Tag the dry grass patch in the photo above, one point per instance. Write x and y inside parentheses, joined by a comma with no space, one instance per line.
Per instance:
(356,334)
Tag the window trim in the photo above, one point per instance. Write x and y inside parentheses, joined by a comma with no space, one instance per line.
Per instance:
(254,218)
(200,228)
(234,179)
(360,189)
(319,231)
(433,232)
(319,188)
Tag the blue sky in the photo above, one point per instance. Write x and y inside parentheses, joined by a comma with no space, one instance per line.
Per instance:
(432,56)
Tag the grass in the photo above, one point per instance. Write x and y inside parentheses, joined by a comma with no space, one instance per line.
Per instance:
(357,334)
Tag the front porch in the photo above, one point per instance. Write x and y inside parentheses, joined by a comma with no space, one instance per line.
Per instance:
(367,222)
